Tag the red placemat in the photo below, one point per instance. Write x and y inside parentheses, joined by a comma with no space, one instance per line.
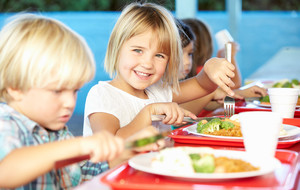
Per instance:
(284,177)
(181,136)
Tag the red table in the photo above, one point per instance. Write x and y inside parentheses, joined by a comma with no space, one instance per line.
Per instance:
(285,177)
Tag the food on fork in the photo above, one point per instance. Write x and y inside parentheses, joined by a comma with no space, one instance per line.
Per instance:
(225,127)
(186,160)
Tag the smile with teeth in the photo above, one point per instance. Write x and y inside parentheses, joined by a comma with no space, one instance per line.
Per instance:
(142,74)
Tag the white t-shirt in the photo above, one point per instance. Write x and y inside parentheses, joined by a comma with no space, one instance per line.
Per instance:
(106,98)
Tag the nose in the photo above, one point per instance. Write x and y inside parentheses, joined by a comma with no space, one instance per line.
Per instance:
(187,63)
(69,99)
(147,61)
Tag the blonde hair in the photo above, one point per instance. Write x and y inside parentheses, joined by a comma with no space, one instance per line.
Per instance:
(203,46)
(137,18)
(35,51)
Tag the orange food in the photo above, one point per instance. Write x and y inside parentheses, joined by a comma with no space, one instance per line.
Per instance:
(228,165)
(233,132)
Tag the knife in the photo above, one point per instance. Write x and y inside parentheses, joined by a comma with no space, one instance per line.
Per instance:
(185,119)
(128,145)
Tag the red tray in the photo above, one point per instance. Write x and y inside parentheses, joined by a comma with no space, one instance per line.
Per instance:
(242,106)
(180,136)
(124,177)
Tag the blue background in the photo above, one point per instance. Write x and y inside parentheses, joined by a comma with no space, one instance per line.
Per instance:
(260,35)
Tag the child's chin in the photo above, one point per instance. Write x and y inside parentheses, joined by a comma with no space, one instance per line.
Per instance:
(56,127)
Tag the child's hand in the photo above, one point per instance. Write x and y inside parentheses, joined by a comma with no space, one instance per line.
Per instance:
(219,95)
(253,91)
(102,146)
(220,71)
(129,153)
(147,132)
(173,112)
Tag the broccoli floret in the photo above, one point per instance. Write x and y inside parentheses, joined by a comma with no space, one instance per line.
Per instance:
(295,82)
(277,85)
(287,85)
(265,98)
(200,124)
(226,125)
(211,126)
(204,164)
(195,157)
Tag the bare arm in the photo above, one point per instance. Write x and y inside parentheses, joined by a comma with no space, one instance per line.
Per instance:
(26,164)
(174,115)
(196,106)
(216,72)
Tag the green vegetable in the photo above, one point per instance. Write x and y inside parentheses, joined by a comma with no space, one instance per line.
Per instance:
(195,157)
(265,98)
(200,124)
(295,82)
(226,125)
(277,85)
(211,126)
(287,85)
(147,140)
(204,164)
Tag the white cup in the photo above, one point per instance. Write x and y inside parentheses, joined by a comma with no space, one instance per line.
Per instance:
(223,37)
(260,131)
(284,101)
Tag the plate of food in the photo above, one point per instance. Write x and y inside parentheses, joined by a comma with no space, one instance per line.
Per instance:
(230,128)
(201,163)
(284,83)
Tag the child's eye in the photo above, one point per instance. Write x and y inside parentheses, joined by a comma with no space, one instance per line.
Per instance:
(191,54)
(57,91)
(160,56)
(137,50)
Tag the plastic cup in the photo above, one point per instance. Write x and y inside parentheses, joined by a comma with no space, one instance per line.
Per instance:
(260,131)
(223,37)
(284,101)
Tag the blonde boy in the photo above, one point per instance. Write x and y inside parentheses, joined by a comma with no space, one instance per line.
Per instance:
(43,64)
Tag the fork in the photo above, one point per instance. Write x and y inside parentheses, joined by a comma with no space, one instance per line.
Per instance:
(229,105)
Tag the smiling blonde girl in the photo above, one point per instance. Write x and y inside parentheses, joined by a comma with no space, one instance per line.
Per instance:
(143,56)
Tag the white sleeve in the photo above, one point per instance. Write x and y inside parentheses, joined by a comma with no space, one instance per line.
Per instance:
(98,100)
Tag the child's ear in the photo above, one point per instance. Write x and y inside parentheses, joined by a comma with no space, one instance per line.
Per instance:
(16,94)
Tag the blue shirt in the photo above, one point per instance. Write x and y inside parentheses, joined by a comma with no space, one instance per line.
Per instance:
(17,131)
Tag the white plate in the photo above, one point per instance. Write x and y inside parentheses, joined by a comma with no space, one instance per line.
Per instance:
(142,162)
(291,130)
(258,103)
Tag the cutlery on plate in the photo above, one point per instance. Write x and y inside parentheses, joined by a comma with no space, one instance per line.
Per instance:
(128,145)
(185,119)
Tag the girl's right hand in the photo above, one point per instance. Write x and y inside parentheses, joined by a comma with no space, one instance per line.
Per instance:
(102,146)
(173,112)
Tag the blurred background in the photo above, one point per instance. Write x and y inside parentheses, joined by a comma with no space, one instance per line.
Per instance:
(262,28)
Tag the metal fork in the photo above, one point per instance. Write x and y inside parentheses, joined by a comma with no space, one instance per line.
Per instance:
(229,105)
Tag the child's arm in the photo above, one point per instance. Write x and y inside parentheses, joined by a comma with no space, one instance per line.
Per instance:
(196,106)
(253,91)
(174,115)
(216,72)
(25,164)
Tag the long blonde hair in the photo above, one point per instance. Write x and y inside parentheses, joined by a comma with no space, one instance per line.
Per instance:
(35,51)
(137,18)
